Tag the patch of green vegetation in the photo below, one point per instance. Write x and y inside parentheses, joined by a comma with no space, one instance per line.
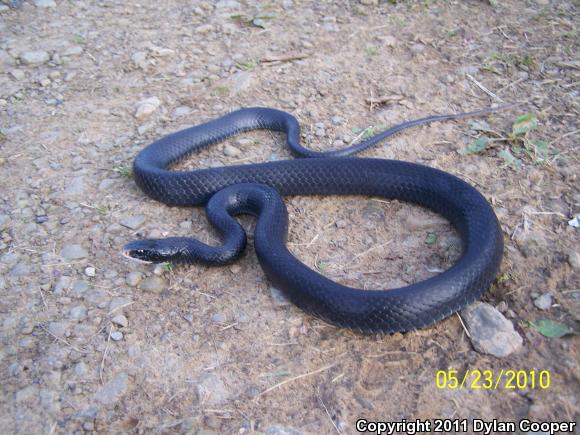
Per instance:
(124,170)
(551,328)
(371,51)
(222,90)
(512,59)
(3,137)
(168,267)
(247,65)
(431,239)
(78,39)
(519,143)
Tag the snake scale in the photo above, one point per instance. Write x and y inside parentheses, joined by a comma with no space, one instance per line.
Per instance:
(256,189)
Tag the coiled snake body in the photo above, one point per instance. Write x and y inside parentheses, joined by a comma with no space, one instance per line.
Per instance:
(256,188)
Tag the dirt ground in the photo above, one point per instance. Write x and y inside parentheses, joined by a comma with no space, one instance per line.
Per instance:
(94,342)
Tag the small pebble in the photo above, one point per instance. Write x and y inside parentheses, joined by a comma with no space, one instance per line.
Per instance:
(235,268)
(133,278)
(133,222)
(41,219)
(73,252)
(145,108)
(574,260)
(34,57)
(116,336)
(231,151)
(90,271)
(544,302)
(153,284)
(120,320)
(78,313)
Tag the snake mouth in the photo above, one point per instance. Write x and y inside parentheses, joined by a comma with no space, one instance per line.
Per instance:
(131,255)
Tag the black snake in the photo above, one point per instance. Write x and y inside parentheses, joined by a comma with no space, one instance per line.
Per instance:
(256,188)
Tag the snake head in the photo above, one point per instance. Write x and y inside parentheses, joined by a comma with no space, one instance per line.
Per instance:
(149,251)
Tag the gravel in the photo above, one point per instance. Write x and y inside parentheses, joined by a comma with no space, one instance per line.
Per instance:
(37,57)
(146,108)
(133,222)
(154,284)
(544,302)
(73,252)
(112,391)
(133,278)
(490,331)
(116,335)
(120,320)
(574,260)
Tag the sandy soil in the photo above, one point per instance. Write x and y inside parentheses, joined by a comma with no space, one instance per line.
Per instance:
(93,342)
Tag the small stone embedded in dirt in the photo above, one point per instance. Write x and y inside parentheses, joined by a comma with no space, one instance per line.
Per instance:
(113,390)
(278,297)
(154,284)
(75,186)
(231,151)
(211,389)
(574,260)
(490,331)
(544,302)
(73,252)
(120,320)
(118,303)
(58,329)
(44,3)
(133,278)
(37,57)
(145,108)
(78,313)
(79,289)
(90,271)
(218,318)
(235,268)
(133,222)
(116,335)
(181,111)
(20,269)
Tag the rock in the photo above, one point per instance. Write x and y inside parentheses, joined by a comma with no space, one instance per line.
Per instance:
(20,269)
(96,297)
(37,57)
(231,151)
(44,3)
(26,394)
(154,284)
(120,320)
(544,302)
(81,369)
(235,268)
(80,288)
(17,74)
(116,336)
(73,252)
(280,430)
(58,329)
(63,284)
(133,278)
(133,222)
(118,303)
(90,271)
(218,318)
(73,51)
(140,59)
(490,331)
(76,186)
(212,389)
(78,313)
(574,260)
(113,390)
(145,108)
(369,2)
(181,111)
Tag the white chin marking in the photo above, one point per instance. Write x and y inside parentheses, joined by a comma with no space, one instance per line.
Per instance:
(137,260)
